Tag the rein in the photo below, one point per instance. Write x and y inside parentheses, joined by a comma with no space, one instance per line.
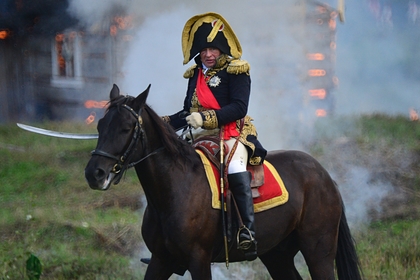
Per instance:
(121,164)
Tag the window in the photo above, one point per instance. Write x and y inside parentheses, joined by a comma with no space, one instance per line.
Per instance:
(67,61)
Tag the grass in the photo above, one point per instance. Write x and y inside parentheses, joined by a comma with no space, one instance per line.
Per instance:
(391,250)
(48,210)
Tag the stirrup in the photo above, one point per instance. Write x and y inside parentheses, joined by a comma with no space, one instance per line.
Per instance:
(247,243)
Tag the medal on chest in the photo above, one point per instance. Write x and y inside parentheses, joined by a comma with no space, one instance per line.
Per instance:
(214,81)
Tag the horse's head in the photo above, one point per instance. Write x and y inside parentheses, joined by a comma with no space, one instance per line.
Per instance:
(121,133)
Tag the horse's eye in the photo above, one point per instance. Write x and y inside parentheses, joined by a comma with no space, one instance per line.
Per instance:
(125,129)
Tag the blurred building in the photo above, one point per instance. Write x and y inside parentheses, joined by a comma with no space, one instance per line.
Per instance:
(320,82)
(47,59)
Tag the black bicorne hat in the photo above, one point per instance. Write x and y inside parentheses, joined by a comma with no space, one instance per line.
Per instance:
(209,30)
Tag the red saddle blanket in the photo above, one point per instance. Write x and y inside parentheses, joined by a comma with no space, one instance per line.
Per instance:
(272,193)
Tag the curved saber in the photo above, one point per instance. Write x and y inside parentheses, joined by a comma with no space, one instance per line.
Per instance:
(57,134)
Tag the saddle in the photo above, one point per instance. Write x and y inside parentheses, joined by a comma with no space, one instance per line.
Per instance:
(210,146)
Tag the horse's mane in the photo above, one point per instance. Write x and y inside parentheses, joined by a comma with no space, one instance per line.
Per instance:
(179,149)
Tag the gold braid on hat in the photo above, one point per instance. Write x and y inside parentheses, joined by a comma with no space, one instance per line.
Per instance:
(194,23)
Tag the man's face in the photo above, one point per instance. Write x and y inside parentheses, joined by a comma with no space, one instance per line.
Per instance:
(209,55)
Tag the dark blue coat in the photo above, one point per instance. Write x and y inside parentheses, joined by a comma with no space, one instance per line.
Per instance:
(230,83)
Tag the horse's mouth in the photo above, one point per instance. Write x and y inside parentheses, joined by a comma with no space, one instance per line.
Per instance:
(99,178)
(103,184)
(108,181)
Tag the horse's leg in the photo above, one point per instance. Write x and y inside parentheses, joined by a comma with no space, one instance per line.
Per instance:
(199,266)
(279,261)
(158,270)
(318,242)
(319,257)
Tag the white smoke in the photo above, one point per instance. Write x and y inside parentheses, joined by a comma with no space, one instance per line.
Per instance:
(156,58)
(374,60)
(371,58)
(365,196)
(93,11)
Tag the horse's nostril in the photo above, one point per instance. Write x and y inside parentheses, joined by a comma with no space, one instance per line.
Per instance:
(99,174)
(94,175)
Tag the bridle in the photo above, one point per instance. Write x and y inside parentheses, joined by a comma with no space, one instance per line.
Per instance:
(123,162)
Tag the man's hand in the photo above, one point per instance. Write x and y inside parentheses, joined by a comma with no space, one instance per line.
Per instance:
(195,120)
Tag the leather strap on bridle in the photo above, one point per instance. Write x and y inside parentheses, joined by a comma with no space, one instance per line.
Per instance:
(123,162)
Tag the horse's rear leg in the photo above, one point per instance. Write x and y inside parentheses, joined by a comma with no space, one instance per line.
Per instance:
(319,252)
(280,260)
(320,266)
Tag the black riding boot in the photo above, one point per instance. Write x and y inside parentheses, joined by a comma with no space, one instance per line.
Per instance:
(240,185)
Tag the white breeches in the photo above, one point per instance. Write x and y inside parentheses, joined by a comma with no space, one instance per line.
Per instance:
(239,159)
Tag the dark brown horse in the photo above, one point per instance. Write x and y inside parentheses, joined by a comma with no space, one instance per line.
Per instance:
(182,230)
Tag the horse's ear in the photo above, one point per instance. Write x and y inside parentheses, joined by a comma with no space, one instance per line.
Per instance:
(141,98)
(115,92)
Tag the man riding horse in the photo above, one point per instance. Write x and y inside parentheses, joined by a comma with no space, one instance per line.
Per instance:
(217,98)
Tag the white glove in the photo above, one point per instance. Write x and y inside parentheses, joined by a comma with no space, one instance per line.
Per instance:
(195,120)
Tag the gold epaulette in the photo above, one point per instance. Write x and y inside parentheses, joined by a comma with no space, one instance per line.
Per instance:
(190,72)
(238,66)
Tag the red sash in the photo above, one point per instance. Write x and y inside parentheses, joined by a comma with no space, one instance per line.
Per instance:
(208,101)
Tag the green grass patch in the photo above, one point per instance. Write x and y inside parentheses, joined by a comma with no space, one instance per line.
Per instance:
(394,130)
(49,211)
(391,250)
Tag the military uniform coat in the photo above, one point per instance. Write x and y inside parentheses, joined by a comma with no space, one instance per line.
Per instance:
(230,83)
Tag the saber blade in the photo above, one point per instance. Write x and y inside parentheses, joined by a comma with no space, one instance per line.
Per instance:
(57,134)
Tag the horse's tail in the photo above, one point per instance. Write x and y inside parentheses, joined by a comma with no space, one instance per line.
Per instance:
(346,260)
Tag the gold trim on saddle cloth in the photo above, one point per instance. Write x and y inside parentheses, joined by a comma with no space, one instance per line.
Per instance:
(275,201)
(215,201)
(259,206)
